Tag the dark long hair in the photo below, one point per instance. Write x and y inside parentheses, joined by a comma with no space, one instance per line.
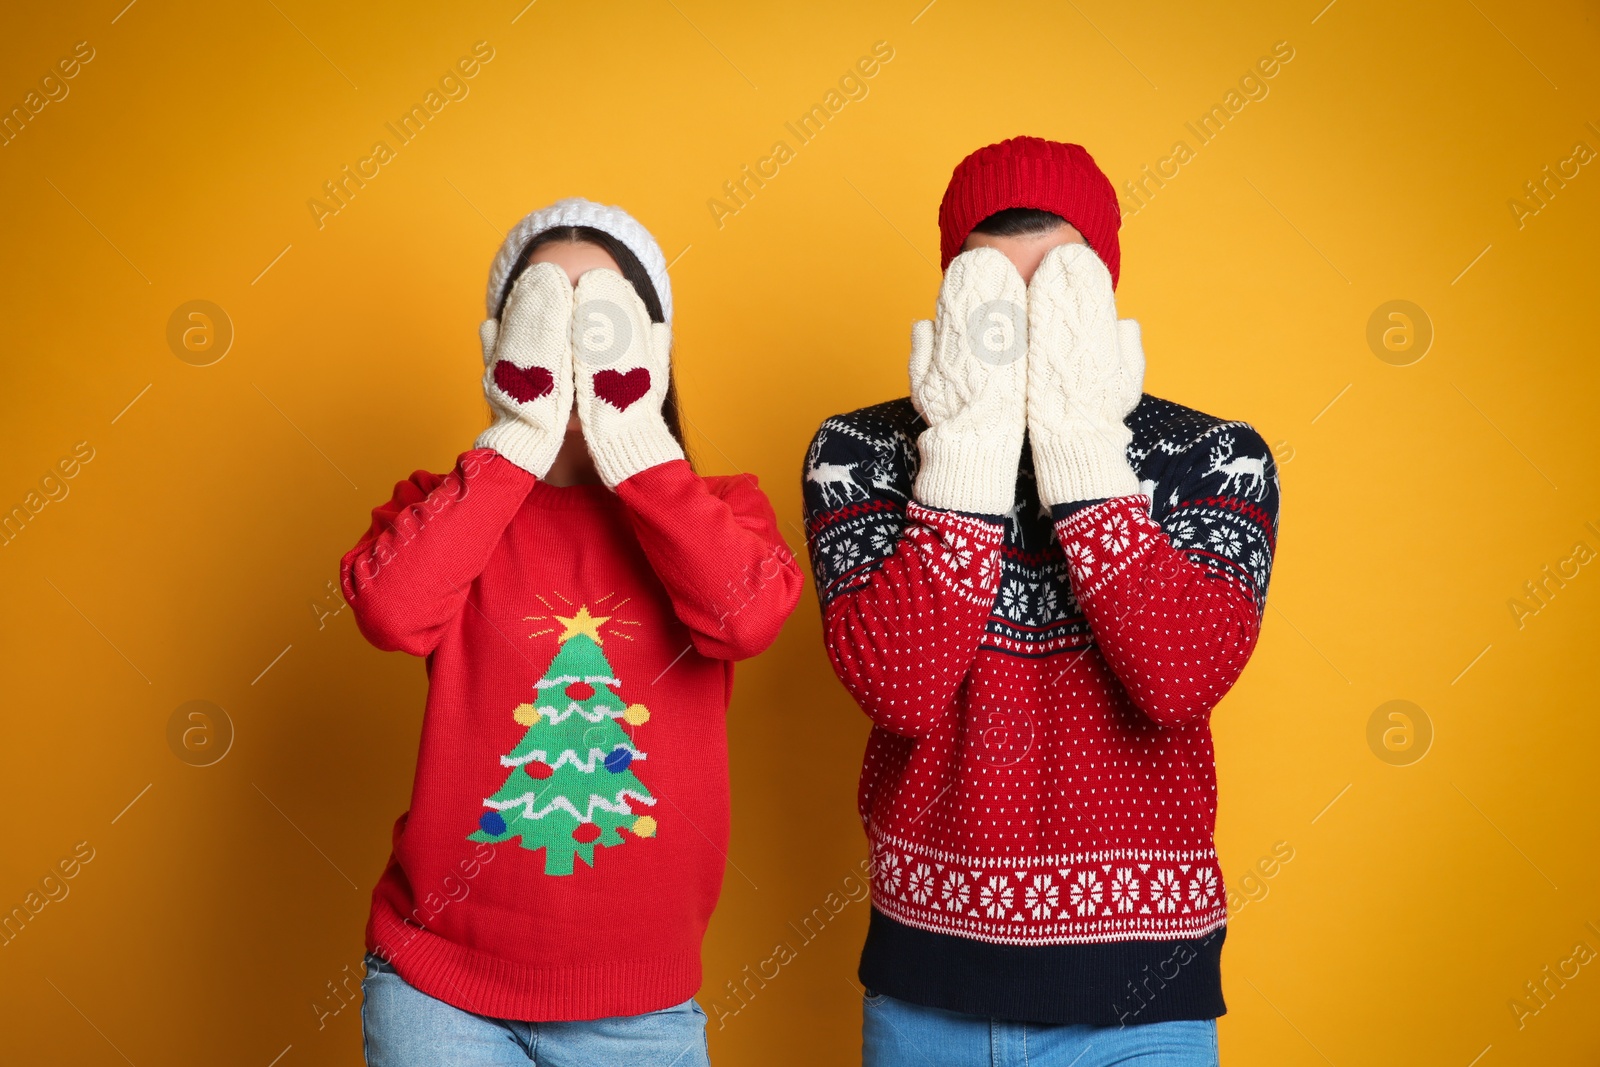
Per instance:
(636,275)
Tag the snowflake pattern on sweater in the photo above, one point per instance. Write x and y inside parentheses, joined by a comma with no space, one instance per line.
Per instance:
(1040,769)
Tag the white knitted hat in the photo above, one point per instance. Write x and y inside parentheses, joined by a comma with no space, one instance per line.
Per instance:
(576,211)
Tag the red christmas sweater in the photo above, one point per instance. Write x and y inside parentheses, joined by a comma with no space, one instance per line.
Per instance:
(568,825)
(1038,787)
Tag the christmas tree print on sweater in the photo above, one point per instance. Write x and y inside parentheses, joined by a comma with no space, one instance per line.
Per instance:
(572,784)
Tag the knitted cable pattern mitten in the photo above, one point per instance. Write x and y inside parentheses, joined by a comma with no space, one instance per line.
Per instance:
(621,360)
(968,378)
(1085,373)
(528,375)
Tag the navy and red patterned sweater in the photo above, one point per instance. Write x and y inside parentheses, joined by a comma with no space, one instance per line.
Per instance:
(1038,789)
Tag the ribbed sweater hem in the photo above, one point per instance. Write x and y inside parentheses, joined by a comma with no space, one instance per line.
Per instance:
(503,989)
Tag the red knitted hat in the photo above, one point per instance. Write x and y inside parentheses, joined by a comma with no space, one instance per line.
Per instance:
(1032,172)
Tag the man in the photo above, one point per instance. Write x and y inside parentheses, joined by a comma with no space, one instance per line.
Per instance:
(1038,582)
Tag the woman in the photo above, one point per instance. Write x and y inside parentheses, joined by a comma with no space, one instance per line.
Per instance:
(580,595)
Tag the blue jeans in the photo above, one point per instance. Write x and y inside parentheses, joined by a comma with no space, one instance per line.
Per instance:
(896,1033)
(402,1026)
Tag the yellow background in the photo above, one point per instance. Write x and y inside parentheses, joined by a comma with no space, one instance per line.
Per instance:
(192,550)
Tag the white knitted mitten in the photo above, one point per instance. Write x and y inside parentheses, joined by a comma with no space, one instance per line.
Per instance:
(1085,371)
(621,362)
(528,375)
(968,377)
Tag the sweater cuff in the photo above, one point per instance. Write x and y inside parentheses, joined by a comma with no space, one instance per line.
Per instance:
(480,458)
(960,548)
(919,510)
(997,518)
(1066,511)
(658,481)
(1104,540)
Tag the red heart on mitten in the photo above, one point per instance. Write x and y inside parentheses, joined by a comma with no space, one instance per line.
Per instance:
(619,389)
(523,384)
